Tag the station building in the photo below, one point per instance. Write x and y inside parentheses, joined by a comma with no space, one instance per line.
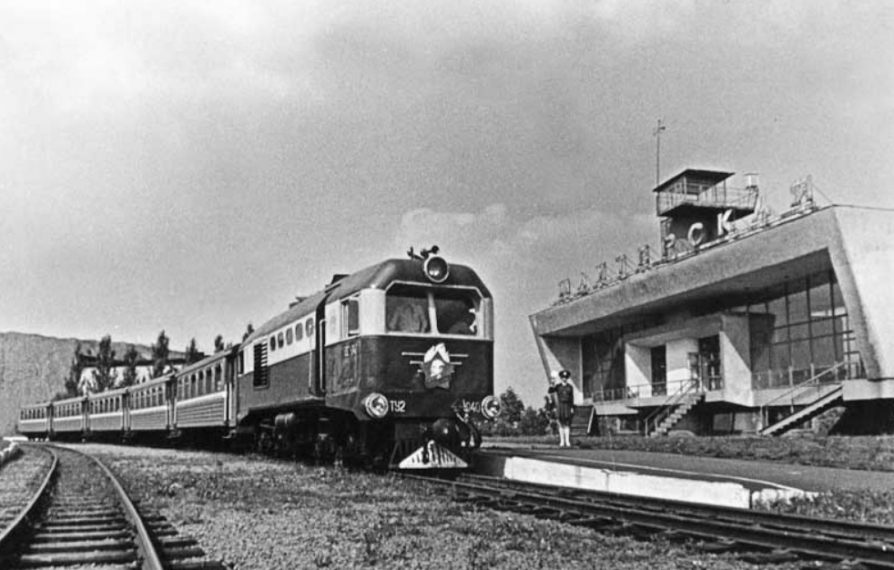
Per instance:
(744,322)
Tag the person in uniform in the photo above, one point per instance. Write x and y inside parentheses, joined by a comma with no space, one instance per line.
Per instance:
(563,392)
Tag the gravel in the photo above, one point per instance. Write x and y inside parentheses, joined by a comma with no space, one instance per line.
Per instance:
(256,513)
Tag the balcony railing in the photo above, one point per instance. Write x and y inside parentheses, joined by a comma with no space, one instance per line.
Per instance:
(656,390)
(719,197)
(791,377)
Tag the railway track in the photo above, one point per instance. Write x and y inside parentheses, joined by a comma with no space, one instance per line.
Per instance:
(770,535)
(80,516)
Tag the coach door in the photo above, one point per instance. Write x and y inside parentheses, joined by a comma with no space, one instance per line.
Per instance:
(319,387)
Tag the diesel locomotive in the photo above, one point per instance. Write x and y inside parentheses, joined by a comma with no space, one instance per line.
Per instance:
(389,366)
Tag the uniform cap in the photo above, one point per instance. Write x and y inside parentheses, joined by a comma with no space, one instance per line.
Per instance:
(564,374)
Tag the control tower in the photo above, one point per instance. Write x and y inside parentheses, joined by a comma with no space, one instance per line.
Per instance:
(696,207)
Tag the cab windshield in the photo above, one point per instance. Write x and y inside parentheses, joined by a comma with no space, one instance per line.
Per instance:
(418,310)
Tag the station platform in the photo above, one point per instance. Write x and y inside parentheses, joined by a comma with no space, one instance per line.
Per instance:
(710,480)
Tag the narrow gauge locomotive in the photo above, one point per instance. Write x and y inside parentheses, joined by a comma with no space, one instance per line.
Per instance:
(390,365)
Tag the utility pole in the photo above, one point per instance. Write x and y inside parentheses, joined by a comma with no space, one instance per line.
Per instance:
(657,134)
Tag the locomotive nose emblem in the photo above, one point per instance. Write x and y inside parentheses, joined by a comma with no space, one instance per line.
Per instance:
(437,367)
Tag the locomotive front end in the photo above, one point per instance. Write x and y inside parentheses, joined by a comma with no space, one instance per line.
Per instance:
(419,373)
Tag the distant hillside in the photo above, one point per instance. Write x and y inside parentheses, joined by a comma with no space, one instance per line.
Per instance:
(33,368)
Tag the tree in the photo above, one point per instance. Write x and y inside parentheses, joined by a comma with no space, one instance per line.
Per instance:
(512,407)
(248,330)
(192,352)
(160,355)
(129,376)
(75,369)
(218,343)
(104,374)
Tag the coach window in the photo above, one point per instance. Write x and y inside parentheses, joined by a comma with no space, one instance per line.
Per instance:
(192,386)
(218,378)
(289,336)
(299,332)
(279,341)
(350,317)
(309,328)
(272,343)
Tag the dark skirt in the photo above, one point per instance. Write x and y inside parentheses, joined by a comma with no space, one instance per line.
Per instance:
(564,413)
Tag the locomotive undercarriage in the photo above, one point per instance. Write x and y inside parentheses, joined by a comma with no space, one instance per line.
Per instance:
(333,436)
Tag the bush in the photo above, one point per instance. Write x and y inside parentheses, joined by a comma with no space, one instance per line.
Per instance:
(517,420)
(533,422)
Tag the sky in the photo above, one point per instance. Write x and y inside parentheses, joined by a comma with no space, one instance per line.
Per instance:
(193,166)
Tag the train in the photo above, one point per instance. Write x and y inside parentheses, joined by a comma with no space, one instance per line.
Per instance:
(389,366)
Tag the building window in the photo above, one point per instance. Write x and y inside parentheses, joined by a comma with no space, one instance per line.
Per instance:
(800,329)
(603,366)
(659,370)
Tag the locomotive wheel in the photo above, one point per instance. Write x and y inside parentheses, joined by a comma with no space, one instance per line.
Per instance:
(264,443)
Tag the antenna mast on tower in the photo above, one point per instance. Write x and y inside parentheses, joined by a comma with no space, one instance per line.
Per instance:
(657,134)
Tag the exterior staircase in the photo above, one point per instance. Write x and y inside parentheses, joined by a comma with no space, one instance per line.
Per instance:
(671,413)
(580,423)
(807,413)
(825,399)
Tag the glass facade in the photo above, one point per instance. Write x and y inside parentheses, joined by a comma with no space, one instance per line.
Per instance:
(603,361)
(798,330)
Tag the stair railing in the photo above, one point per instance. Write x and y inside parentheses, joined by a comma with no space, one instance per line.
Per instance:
(655,418)
(809,383)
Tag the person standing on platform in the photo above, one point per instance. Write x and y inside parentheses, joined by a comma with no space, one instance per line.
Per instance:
(563,391)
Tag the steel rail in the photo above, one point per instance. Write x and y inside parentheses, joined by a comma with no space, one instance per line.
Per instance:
(829,527)
(586,513)
(143,540)
(19,523)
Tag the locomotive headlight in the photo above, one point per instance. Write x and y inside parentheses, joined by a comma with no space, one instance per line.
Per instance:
(491,407)
(376,405)
(436,268)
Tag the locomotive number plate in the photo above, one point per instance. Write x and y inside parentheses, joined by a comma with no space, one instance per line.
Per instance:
(398,406)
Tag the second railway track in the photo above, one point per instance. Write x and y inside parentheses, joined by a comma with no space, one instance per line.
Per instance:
(727,528)
(83,517)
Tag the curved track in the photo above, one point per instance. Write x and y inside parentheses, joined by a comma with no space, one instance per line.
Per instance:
(80,516)
(86,519)
(723,528)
